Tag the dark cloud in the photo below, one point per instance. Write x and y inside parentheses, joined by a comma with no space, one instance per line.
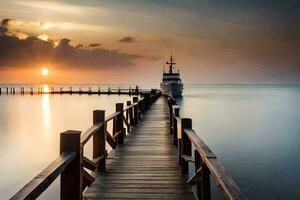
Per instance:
(32,51)
(94,45)
(4,26)
(128,39)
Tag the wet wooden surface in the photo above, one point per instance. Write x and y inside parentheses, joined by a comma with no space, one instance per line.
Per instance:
(146,166)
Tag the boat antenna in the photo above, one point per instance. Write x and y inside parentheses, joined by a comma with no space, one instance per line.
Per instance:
(171,63)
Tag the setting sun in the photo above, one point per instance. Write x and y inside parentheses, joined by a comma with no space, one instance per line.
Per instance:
(45,72)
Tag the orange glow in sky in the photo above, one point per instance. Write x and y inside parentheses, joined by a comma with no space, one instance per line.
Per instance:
(45,72)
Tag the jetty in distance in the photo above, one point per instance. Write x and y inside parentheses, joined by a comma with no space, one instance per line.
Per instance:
(153,151)
(71,90)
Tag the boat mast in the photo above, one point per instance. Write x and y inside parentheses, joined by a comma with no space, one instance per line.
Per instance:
(171,64)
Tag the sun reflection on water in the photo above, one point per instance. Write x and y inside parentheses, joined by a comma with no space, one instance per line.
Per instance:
(46,108)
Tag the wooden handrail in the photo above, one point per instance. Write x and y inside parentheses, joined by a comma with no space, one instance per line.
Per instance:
(41,182)
(223,179)
(112,116)
(71,161)
(205,161)
(86,135)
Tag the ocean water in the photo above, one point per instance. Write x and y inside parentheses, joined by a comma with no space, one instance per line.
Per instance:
(29,133)
(253,129)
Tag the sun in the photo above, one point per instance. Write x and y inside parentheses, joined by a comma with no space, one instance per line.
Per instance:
(45,72)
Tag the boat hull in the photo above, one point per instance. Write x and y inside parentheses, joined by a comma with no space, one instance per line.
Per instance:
(171,89)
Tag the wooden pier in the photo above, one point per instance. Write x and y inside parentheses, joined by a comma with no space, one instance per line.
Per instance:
(70,90)
(153,151)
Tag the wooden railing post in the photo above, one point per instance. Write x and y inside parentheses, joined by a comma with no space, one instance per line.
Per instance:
(135,110)
(174,122)
(205,182)
(130,113)
(119,124)
(99,139)
(147,101)
(186,145)
(202,178)
(198,162)
(171,102)
(71,177)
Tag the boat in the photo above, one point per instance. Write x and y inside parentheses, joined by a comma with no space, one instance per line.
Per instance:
(171,84)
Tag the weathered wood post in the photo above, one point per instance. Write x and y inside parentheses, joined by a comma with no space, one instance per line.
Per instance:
(31,91)
(135,110)
(99,90)
(202,178)
(130,113)
(186,145)
(147,101)
(171,102)
(174,122)
(99,139)
(119,124)
(198,162)
(205,182)
(0,91)
(136,90)
(128,103)
(71,178)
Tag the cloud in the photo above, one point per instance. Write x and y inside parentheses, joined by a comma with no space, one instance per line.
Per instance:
(36,50)
(128,39)
(94,45)
(4,25)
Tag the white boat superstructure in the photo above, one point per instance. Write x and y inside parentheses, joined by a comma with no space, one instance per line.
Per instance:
(171,84)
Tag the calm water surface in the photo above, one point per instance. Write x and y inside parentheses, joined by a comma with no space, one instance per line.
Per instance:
(29,133)
(253,129)
(255,132)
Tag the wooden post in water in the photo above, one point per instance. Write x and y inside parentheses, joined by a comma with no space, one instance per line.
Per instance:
(119,124)
(71,178)
(135,109)
(0,91)
(186,145)
(99,139)
(174,122)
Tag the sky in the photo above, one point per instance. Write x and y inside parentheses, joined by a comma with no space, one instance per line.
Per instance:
(117,41)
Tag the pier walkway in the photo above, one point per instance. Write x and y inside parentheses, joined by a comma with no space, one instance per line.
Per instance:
(146,166)
(155,155)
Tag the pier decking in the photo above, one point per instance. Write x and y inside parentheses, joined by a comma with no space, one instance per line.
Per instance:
(146,166)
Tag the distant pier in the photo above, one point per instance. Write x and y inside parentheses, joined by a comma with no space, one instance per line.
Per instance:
(71,90)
